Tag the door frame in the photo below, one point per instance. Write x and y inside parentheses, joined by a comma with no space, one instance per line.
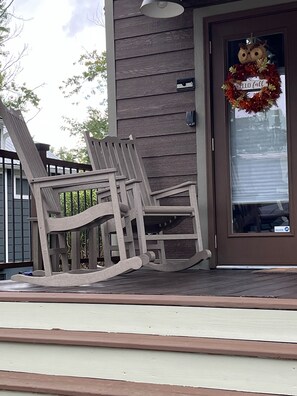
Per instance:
(203,20)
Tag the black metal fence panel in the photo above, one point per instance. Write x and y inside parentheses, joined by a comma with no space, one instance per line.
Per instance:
(17,208)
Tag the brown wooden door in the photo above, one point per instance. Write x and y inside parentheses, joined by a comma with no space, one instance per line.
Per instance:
(255,160)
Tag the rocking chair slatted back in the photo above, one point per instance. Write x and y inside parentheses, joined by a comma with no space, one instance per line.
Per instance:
(122,155)
(24,144)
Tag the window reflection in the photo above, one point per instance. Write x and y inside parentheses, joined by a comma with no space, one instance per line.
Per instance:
(259,169)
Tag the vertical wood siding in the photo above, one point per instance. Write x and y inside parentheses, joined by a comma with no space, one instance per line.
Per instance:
(150,55)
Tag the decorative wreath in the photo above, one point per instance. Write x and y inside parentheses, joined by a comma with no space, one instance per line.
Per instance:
(263,99)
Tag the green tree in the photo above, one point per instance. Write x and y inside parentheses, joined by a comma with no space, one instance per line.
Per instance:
(91,82)
(13,94)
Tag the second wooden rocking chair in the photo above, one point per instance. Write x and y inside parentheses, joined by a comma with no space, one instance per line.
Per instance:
(151,219)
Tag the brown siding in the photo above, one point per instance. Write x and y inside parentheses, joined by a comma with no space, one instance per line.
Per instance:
(155,64)
(150,55)
(163,125)
(158,84)
(154,43)
(130,27)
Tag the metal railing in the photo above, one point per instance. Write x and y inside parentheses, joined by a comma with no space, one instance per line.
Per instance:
(19,244)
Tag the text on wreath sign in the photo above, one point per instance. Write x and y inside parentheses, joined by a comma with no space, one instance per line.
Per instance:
(251,85)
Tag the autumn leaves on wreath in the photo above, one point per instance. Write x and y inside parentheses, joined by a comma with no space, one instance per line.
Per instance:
(253,73)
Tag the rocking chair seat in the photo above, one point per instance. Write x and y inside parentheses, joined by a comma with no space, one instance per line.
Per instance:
(91,217)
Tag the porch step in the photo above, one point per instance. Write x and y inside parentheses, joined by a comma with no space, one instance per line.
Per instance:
(237,365)
(38,384)
(255,319)
(181,343)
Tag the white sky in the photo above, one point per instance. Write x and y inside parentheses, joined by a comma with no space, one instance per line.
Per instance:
(57,32)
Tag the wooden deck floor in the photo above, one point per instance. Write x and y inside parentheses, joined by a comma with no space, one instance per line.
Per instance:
(219,282)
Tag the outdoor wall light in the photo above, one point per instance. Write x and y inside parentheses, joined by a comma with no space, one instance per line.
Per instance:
(185,84)
(162,9)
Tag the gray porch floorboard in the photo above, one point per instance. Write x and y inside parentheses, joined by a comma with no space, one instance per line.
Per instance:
(218,282)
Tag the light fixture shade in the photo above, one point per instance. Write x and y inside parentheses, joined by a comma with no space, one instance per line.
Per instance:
(162,9)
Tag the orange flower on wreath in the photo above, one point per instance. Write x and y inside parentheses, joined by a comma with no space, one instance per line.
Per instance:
(263,99)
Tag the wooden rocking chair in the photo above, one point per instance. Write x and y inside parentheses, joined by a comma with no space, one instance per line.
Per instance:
(46,190)
(150,218)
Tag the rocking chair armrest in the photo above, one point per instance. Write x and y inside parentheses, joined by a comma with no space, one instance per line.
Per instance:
(174,190)
(85,180)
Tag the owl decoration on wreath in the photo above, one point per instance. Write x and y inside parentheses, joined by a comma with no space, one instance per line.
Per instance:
(255,74)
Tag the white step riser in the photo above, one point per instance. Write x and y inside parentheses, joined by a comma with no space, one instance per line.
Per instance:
(157,367)
(249,324)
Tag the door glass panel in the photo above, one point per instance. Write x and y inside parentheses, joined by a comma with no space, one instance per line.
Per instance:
(259,157)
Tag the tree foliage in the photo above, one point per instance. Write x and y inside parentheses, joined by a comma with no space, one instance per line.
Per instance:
(13,94)
(90,83)
(94,70)
(96,123)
